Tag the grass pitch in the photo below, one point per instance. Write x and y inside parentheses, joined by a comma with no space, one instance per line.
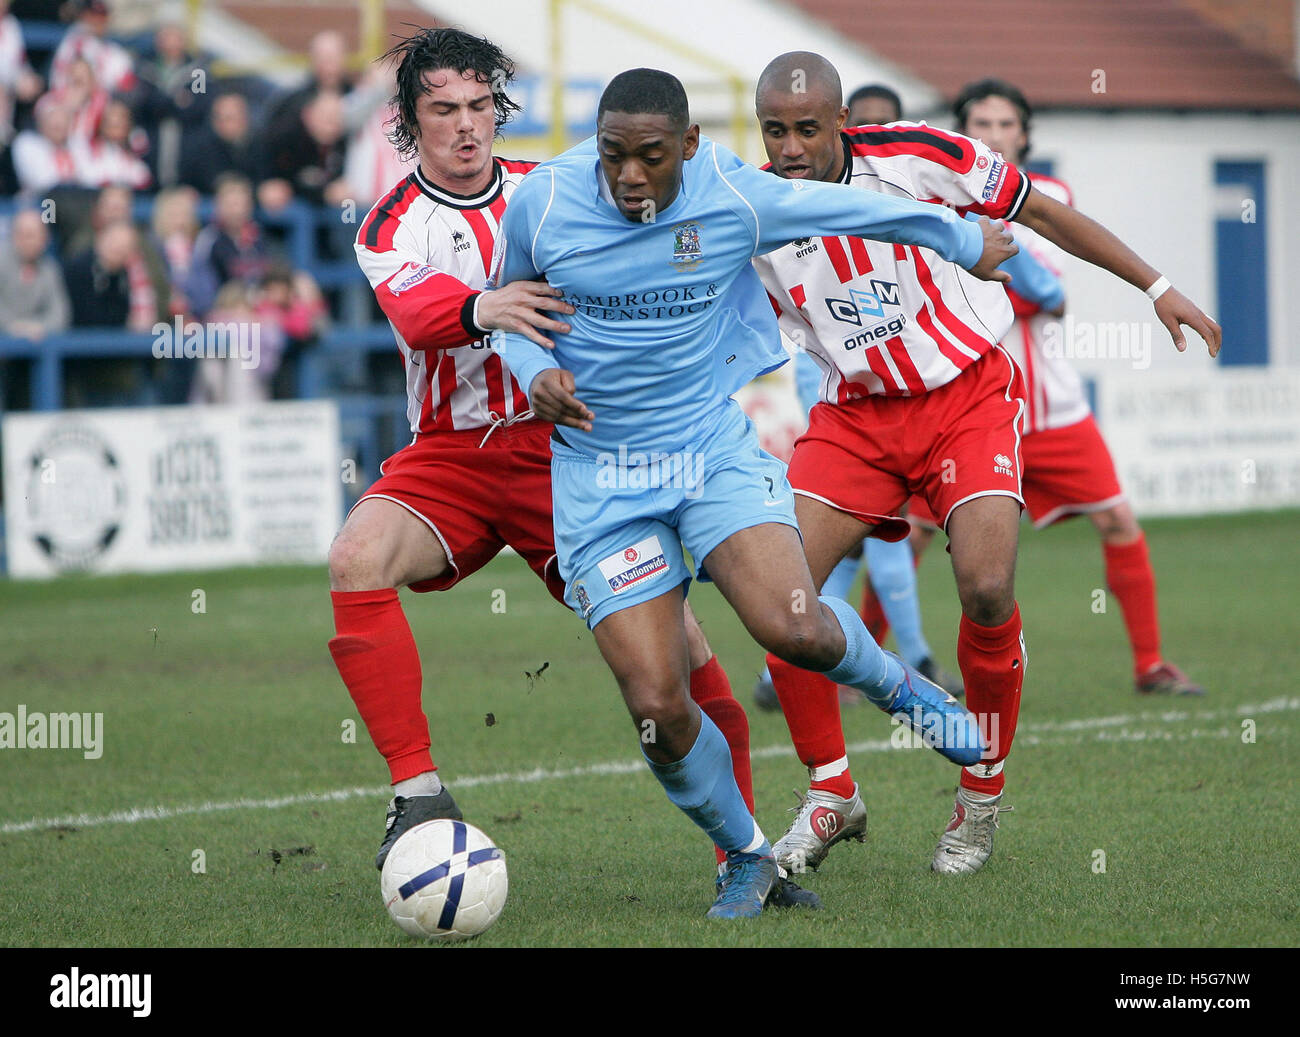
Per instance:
(230,807)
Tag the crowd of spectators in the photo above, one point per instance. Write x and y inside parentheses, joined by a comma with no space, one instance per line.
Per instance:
(140,183)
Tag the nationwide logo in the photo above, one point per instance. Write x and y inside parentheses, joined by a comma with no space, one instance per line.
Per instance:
(640,563)
(1002,464)
(687,252)
(409,276)
(994,181)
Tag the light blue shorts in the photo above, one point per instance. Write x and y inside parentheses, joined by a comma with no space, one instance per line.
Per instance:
(622,520)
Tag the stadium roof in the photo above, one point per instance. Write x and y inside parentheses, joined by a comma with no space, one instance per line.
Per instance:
(1153,53)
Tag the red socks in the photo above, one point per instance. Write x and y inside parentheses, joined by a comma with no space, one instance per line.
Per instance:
(811,704)
(1130,579)
(873,613)
(378,661)
(992,662)
(711,691)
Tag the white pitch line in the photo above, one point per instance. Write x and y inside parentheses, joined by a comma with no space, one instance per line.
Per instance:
(1028,735)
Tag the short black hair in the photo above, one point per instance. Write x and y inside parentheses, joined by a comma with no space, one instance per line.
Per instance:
(430,50)
(881,91)
(647,91)
(982,90)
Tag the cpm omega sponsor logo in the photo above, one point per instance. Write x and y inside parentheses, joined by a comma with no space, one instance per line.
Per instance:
(861,304)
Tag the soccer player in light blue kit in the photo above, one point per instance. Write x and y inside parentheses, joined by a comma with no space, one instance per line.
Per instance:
(648,230)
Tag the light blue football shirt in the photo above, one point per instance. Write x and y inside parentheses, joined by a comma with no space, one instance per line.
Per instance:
(670,318)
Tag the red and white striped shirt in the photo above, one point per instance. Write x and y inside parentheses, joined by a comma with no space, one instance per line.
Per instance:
(427,253)
(111,62)
(1054,390)
(897,320)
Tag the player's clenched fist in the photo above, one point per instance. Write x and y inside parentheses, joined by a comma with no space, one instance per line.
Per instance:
(551,397)
(998,248)
(522,307)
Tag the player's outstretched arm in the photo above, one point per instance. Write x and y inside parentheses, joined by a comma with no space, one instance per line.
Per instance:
(550,394)
(1086,238)
(781,211)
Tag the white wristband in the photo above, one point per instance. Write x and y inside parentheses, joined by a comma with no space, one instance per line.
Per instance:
(1159,288)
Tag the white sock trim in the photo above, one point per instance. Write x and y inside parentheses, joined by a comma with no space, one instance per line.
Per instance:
(830,770)
(426,784)
(985,770)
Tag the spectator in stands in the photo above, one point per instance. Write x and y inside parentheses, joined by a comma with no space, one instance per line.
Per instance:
(19,83)
(253,351)
(291,302)
(33,299)
(225,146)
(43,158)
(83,96)
(109,285)
(328,55)
(113,154)
(174,230)
(113,204)
(173,100)
(373,164)
(308,162)
(112,64)
(231,247)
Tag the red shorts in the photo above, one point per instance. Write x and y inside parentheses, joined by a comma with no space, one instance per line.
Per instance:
(948,446)
(1068,471)
(476,500)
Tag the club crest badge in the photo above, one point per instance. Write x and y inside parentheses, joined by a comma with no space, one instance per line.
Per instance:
(687,252)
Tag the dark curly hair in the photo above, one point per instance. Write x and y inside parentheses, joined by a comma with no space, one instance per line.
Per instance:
(431,49)
(986,88)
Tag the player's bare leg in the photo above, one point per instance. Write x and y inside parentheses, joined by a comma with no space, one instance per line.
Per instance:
(381,547)
(647,649)
(983,535)
(1131,579)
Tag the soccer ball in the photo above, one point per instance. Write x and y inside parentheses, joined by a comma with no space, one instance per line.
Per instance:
(444,880)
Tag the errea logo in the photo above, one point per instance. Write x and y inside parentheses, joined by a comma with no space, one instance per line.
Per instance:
(1002,465)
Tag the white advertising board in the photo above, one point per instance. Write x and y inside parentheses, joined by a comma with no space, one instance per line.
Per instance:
(164,488)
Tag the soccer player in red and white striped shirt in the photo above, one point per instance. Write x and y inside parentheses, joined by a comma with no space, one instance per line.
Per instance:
(477,475)
(918,398)
(1068,469)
